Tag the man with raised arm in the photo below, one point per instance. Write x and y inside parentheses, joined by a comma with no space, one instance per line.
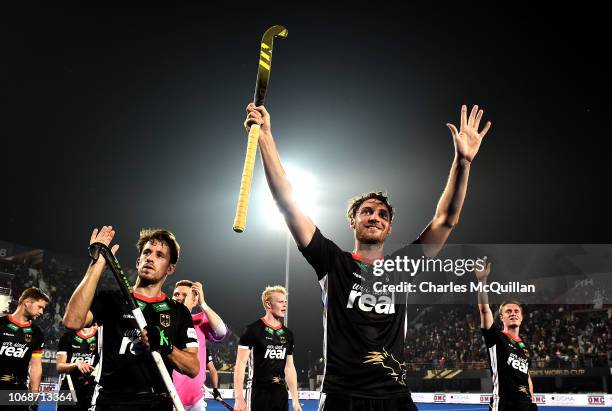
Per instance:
(129,379)
(509,357)
(364,330)
(209,327)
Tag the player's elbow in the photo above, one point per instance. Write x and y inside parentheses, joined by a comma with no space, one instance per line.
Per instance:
(72,322)
(194,369)
(445,220)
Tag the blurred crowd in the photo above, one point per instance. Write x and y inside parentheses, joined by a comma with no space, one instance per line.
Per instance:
(559,336)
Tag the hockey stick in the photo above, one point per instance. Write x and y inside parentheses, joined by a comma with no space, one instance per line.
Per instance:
(222,401)
(95,250)
(261,86)
(71,388)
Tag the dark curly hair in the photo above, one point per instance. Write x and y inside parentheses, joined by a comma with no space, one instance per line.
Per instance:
(356,202)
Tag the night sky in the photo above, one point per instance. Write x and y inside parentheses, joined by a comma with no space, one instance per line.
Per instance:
(133,118)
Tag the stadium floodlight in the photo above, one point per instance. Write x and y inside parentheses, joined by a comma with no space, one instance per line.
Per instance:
(305,194)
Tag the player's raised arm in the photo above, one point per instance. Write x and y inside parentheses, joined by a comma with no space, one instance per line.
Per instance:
(77,313)
(486,315)
(301,226)
(466,142)
(216,327)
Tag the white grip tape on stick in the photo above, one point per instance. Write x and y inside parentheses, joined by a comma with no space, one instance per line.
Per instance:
(159,362)
(140,320)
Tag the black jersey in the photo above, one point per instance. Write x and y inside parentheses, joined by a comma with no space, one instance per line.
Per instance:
(509,362)
(77,346)
(18,344)
(363,328)
(126,365)
(269,347)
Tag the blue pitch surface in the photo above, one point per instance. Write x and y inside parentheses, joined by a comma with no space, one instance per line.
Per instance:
(311,405)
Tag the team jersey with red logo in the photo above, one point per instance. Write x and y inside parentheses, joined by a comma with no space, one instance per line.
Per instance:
(509,363)
(77,346)
(363,328)
(126,365)
(19,342)
(269,347)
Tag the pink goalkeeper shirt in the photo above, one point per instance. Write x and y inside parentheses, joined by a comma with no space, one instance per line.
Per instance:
(190,389)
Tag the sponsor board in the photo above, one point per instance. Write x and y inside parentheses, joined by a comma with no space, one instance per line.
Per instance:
(460,398)
(539,398)
(596,400)
(485,399)
(439,398)
(421,397)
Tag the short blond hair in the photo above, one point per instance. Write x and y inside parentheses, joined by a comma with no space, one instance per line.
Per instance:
(269,290)
(505,303)
(183,283)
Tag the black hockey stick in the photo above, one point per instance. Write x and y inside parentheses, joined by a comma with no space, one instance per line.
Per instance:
(222,401)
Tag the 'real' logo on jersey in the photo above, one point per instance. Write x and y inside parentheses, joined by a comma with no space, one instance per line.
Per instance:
(518,363)
(16,350)
(82,357)
(275,352)
(379,304)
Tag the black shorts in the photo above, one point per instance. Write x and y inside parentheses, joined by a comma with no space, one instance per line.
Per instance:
(272,397)
(83,394)
(509,405)
(340,402)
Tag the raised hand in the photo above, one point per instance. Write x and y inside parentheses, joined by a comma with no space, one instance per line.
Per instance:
(198,291)
(467,140)
(104,235)
(484,273)
(257,115)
